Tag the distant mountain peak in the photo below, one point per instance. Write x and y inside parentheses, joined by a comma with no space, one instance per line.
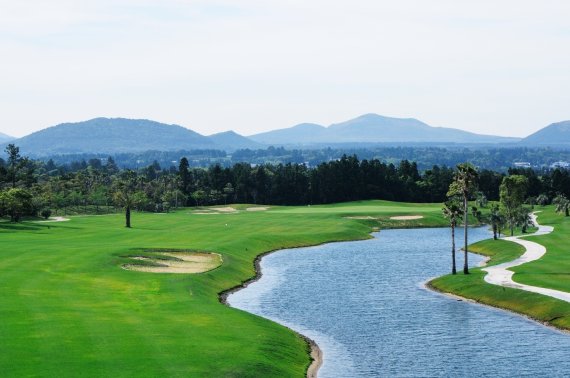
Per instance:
(374,128)
(111,135)
(231,141)
(555,134)
(5,138)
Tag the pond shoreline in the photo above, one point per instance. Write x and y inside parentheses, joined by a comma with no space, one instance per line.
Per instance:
(314,351)
(428,286)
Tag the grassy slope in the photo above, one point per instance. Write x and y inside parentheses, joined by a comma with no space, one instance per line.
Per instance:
(68,309)
(551,271)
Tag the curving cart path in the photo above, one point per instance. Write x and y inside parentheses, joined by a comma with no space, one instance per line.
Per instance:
(501,276)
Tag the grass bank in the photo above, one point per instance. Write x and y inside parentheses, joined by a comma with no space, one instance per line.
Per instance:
(551,271)
(69,309)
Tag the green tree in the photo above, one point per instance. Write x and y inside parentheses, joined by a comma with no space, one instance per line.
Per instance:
(124,194)
(481,200)
(16,202)
(199,196)
(98,197)
(542,200)
(562,204)
(46,213)
(463,185)
(228,191)
(15,163)
(523,218)
(496,220)
(512,193)
(454,213)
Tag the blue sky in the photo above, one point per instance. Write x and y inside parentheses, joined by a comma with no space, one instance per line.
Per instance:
(498,67)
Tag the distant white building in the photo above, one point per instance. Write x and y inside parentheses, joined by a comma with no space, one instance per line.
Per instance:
(560,164)
(522,164)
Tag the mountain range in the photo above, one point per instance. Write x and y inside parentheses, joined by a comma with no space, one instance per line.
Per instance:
(374,128)
(5,138)
(121,135)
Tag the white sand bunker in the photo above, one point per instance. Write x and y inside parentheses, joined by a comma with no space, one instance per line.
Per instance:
(407,217)
(258,208)
(177,262)
(55,219)
(215,210)
(224,209)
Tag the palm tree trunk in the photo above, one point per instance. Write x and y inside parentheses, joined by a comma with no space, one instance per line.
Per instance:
(453,267)
(128,216)
(494,231)
(465,225)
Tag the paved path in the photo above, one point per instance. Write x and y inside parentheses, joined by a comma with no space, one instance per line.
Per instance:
(501,276)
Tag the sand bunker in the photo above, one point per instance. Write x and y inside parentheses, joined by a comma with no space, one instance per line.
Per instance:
(361,217)
(407,217)
(55,219)
(182,262)
(224,209)
(257,208)
(215,210)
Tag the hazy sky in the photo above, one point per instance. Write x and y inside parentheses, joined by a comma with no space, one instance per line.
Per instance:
(500,66)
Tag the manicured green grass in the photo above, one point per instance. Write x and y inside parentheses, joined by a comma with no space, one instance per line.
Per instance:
(551,271)
(498,251)
(67,308)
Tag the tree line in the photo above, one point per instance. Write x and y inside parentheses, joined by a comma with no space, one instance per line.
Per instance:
(485,157)
(36,188)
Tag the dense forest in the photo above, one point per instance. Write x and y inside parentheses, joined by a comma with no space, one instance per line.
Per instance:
(34,188)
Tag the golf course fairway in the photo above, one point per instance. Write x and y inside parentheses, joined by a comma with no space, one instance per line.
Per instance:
(70,308)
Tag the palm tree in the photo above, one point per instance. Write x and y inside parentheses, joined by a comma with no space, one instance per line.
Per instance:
(124,194)
(452,211)
(523,218)
(464,182)
(562,204)
(496,220)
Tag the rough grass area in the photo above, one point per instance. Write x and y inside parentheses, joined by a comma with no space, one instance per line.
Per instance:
(552,271)
(68,308)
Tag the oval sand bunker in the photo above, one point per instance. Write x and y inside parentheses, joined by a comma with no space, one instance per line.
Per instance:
(407,217)
(177,262)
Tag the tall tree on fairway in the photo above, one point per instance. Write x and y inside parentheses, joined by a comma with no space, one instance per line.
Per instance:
(463,185)
(124,194)
(453,212)
(512,194)
(14,163)
(495,218)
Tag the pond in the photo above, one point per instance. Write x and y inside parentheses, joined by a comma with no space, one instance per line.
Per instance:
(365,305)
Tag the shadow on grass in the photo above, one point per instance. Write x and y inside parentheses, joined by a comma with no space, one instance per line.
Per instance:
(31,226)
(15,227)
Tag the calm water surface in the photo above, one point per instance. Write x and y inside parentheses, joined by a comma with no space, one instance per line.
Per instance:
(364,304)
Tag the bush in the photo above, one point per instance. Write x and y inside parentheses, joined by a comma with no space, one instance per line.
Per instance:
(46,213)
